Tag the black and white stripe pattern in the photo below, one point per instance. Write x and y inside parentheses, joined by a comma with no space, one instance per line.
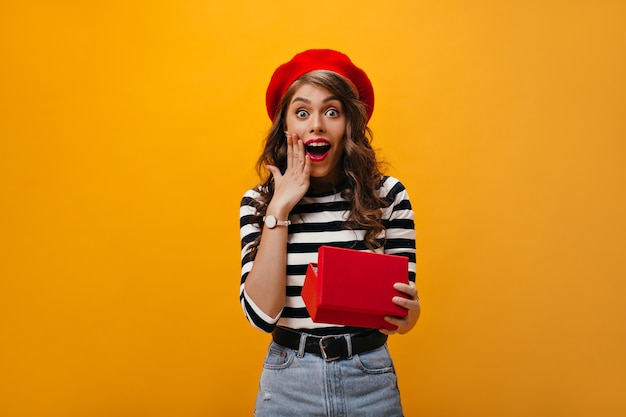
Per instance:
(317,221)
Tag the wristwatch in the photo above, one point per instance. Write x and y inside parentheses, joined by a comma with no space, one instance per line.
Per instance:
(271,221)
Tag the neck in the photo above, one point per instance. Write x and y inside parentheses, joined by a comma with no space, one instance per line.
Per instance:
(323,185)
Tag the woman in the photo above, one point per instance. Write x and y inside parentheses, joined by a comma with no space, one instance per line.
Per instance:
(321,185)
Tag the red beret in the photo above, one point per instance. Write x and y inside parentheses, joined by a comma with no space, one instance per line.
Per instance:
(317,59)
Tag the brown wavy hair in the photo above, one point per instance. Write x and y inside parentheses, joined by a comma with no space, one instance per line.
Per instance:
(361,169)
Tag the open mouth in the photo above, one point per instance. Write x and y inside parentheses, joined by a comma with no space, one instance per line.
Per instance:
(317,149)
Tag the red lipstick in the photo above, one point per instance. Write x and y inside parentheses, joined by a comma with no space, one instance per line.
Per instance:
(317,149)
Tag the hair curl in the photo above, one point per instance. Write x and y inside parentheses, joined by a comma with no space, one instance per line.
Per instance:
(360,167)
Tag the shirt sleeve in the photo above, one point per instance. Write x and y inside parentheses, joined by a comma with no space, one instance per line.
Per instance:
(249,230)
(398,219)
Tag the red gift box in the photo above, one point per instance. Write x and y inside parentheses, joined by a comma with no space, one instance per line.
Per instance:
(354,288)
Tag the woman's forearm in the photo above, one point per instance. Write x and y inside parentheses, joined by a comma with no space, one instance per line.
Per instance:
(267,281)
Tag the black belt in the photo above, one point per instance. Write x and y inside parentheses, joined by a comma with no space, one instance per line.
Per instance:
(331,347)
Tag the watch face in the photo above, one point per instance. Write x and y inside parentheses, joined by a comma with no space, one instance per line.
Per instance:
(270,221)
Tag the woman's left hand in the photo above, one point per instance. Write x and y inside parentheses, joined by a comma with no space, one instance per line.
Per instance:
(411,303)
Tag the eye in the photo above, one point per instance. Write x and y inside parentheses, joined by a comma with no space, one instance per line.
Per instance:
(332,113)
(301,113)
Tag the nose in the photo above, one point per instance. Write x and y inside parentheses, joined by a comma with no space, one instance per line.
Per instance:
(317,123)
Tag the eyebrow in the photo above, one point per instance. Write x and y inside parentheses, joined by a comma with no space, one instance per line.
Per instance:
(306,100)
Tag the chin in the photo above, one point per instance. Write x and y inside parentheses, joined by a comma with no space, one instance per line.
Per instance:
(319,174)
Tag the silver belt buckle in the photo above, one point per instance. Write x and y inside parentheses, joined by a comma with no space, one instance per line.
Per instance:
(323,349)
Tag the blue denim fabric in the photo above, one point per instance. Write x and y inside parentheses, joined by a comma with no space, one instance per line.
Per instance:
(304,385)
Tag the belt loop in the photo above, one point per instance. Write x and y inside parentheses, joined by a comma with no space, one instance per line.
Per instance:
(348,338)
(302,345)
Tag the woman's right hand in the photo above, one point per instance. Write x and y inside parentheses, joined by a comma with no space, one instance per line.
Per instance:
(291,186)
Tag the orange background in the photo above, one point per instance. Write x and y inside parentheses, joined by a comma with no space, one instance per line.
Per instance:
(129,131)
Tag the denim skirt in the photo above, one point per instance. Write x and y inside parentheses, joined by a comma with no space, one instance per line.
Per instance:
(298,384)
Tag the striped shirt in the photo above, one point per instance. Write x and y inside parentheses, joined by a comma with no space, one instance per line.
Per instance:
(317,221)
